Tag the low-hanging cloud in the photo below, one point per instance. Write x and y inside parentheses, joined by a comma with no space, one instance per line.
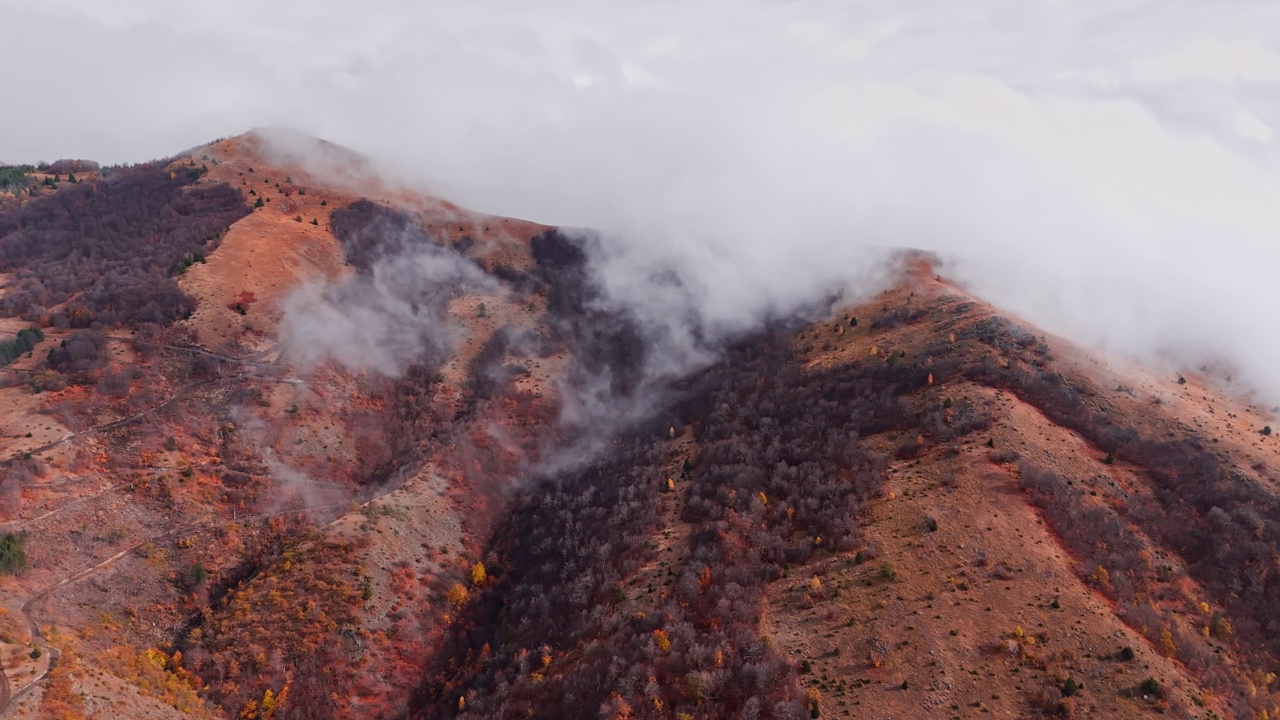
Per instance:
(1105,169)
(383,320)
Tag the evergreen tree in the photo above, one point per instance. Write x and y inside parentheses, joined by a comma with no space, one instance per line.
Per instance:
(13,556)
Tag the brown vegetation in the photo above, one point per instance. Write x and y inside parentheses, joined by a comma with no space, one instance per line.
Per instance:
(933,511)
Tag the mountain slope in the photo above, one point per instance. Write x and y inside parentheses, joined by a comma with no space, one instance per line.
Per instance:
(1065,523)
(1019,540)
(394,463)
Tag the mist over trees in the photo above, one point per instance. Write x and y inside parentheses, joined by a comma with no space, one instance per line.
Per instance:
(393,313)
(780,474)
(104,251)
(369,231)
(607,341)
(779,470)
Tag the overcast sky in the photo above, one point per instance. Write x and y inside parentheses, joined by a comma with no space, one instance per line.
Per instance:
(1106,168)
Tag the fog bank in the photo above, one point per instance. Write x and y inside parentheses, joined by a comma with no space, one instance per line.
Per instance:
(1107,170)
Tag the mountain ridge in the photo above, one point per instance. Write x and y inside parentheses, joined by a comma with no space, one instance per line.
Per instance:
(242,513)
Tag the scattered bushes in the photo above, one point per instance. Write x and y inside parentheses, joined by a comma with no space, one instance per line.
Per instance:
(894,318)
(1151,687)
(83,351)
(114,384)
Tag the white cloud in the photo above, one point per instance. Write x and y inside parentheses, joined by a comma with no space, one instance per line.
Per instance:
(1215,59)
(1251,127)
(384,320)
(1101,167)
